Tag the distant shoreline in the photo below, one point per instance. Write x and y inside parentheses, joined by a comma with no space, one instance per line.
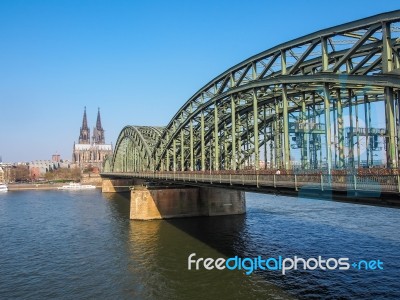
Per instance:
(35,186)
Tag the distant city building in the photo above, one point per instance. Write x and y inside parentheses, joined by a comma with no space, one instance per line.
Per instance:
(38,168)
(6,174)
(56,157)
(2,178)
(91,152)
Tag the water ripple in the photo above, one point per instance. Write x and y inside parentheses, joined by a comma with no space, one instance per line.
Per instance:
(82,245)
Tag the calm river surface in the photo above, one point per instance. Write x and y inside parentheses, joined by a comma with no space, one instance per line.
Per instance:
(75,245)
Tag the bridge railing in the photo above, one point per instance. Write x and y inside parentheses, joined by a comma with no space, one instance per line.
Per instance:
(373,183)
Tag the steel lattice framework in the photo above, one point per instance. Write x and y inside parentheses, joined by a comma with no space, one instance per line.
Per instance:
(133,150)
(304,103)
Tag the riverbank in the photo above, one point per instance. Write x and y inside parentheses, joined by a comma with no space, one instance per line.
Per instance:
(35,186)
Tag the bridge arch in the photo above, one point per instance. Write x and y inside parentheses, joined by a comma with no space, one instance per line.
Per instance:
(133,149)
(293,97)
(107,164)
(306,103)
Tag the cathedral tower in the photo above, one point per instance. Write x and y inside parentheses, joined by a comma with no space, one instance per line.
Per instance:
(84,137)
(98,131)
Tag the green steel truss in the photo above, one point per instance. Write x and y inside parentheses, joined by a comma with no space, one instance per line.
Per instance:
(305,102)
(133,150)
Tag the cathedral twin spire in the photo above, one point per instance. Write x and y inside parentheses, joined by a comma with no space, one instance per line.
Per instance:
(98,131)
(84,137)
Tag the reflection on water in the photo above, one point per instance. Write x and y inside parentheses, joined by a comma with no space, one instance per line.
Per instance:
(82,245)
(160,251)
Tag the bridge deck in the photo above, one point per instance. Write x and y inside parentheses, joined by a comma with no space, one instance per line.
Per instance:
(373,184)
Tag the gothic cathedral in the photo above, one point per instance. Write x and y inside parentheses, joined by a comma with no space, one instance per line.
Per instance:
(91,153)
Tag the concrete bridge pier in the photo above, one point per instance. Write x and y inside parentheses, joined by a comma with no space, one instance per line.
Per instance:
(109,185)
(162,202)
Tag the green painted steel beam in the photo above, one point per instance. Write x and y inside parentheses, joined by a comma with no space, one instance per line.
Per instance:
(304,159)
(391,151)
(192,166)
(233,133)
(256,132)
(174,155)
(203,145)
(277,143)
(216,138)
(182,152)
(327,109)
(340,129)
(285,116)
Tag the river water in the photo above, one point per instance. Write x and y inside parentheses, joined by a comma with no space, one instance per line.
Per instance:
(69,245)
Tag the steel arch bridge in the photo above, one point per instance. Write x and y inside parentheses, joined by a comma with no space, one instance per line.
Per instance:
(327,100)
(133,150)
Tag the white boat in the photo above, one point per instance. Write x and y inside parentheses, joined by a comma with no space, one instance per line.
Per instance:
(77,186)
(3,188)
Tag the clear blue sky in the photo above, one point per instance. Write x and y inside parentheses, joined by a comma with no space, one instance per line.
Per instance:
(139,61)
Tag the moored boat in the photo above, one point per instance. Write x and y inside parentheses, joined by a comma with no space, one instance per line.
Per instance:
(3,188)
(77,186)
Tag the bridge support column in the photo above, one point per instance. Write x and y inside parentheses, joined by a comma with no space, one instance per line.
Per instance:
(221,202)
(116,185)
(177,202)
